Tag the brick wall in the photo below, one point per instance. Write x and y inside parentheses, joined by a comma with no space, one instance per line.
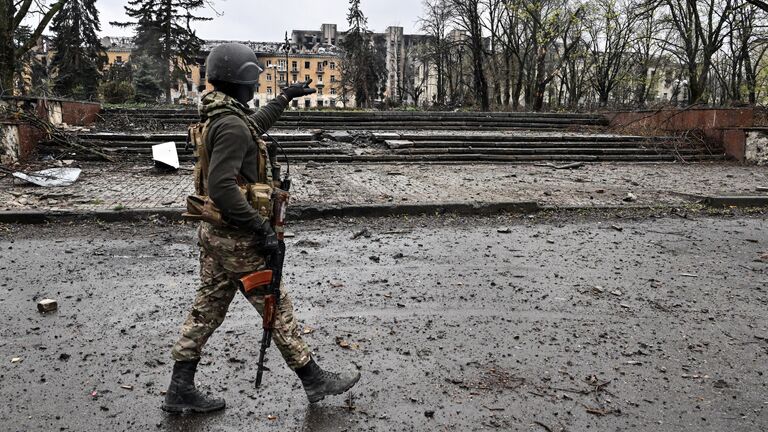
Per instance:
(721,127)
(74,113)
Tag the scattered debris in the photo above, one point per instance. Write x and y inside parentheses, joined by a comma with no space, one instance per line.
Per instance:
(16,360)
(340,341)
(362,233)
(429,414)
(630,197)
(126,387)
(47,305)
(398,144)
(272,417)
(690,275)
(51,177)
(308,243)
(561,167)
(504,230)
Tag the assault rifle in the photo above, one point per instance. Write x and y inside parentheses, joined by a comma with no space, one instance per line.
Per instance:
(267,282)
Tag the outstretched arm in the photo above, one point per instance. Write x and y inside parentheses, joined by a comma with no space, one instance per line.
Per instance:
(267,116)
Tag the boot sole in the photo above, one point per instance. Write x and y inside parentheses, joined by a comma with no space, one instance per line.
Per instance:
(181,409)
(319,398)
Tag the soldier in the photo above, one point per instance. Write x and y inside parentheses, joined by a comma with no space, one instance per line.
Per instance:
(237,155)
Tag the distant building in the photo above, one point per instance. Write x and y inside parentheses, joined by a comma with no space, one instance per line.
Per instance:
(313,54)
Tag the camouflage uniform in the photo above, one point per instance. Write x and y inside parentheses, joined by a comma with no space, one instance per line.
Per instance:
(225,255)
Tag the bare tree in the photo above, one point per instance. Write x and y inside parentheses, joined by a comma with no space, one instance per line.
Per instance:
(12,18)
(646,54)
(610,28)
(493,14)
(437,15)
(546,21)
(698,26)
(468,18)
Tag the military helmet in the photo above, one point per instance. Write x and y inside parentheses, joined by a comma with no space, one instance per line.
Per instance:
(233,63)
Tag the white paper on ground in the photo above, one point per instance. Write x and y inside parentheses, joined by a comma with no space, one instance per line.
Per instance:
(165,153)
(51,177)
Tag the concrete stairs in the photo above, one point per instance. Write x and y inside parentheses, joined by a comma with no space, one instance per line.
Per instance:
(426,147)
(385,120)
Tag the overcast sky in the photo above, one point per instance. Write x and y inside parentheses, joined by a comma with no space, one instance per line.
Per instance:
(269,20)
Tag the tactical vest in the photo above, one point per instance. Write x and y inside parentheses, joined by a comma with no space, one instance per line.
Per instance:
(258,195)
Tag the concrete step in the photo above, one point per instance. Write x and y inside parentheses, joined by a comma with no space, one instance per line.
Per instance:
(177,136)
(181,144)
(477,158)
(543,150)
(369,114)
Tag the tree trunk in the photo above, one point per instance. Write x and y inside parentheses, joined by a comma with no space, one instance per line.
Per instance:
(165,67)
(481,85)
(507,79)
(7,54)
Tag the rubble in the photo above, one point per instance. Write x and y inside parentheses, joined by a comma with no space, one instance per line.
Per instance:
(47,305)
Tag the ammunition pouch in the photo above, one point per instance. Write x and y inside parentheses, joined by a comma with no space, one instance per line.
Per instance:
(202,207)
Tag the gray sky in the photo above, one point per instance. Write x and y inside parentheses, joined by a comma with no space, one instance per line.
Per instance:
(268,20)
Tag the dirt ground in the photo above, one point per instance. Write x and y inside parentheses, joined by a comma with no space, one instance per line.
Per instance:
(128,186)
(523,323)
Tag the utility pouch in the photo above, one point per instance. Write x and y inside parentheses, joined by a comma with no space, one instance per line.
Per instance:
(260,197)
(202,208)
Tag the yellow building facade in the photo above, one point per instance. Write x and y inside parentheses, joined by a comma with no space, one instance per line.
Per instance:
(322,69)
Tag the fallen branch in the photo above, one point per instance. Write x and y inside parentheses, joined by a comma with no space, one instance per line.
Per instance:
(561,167)
(54,134)
(547,428)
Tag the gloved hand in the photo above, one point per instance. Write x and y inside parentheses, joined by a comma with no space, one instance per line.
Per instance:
(269,243)
(298,90)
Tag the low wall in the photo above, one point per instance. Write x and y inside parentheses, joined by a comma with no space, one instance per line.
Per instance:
(722,127)
(18,140)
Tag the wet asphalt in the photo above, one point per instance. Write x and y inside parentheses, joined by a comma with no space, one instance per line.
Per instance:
(649,324)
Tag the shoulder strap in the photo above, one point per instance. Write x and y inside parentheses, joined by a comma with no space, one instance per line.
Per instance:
(197,135)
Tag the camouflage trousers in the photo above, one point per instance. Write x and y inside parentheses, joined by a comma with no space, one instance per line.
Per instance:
(225,255)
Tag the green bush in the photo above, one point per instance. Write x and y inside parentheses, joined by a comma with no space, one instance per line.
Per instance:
(116,92)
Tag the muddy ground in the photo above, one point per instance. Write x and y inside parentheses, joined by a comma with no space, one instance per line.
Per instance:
(652,324)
